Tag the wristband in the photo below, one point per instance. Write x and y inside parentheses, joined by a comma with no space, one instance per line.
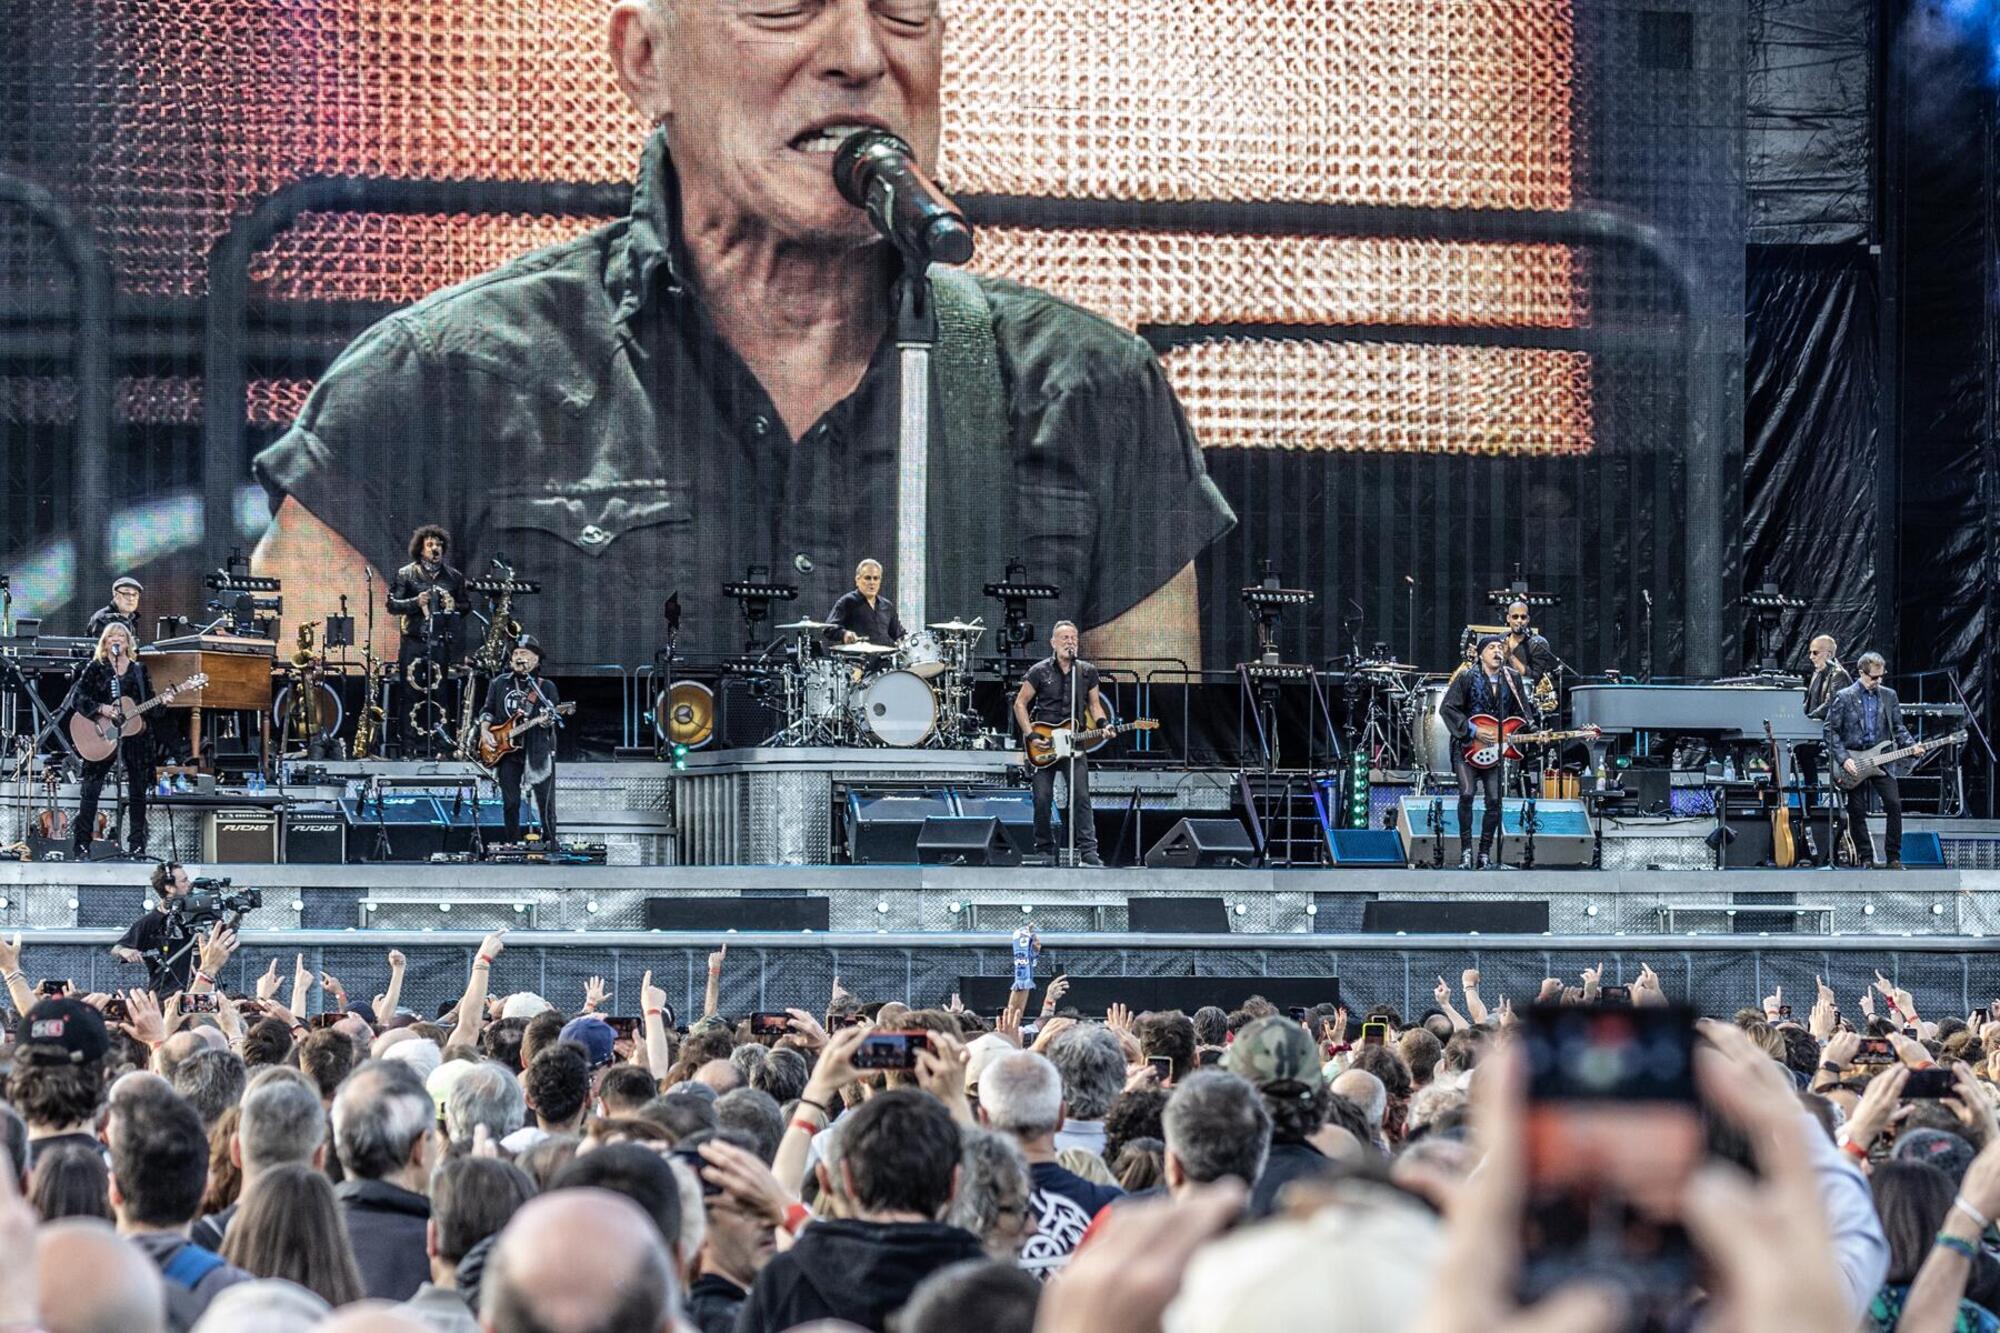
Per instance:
(1854,1150)
(808,1126)
(796,1216)
(817,1106)
(656,1013)
(16,975)
(483,961)
(1958,1245)
(203,976)
(1829,1067)
(1962,1206)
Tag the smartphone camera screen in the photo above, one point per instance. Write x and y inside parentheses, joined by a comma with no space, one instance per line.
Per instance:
(770,1023)
(1613,1135)
(890,1050)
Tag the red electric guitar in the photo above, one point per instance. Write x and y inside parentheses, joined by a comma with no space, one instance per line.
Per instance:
(1496,736)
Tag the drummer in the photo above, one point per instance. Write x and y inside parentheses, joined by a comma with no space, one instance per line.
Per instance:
(864,615)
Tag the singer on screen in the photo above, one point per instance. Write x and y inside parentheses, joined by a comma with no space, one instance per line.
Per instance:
(711,381)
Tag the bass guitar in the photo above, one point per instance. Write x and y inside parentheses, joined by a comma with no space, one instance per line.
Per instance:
(1876,758)
(1784,851)
(503,738)
(1052,742)
(1496,736)
(96,738)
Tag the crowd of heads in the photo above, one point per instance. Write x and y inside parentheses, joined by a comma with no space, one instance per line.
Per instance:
(510,1166)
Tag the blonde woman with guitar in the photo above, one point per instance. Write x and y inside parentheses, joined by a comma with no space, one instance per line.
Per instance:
(108,696)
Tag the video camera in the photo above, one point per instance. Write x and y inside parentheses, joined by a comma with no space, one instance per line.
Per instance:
(210,899)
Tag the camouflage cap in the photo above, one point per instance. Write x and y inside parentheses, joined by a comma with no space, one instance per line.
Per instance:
(1273,1050)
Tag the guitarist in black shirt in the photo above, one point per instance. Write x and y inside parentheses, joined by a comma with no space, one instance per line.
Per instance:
(1491,687)
(519,695)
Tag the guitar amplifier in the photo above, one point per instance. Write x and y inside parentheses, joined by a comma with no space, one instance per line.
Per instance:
(315,835)
(243,837)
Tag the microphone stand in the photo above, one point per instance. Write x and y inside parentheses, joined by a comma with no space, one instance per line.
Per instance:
(916,337)
(1075,670)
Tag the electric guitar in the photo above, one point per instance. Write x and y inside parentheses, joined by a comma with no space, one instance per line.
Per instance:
(96,738)
(503,738)
(1876,758)
(1784,851)
(1496,736)
(1052,742)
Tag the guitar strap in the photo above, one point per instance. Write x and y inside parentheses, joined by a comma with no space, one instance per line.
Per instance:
(972,503)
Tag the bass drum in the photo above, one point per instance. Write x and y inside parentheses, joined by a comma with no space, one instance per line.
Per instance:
(1430,744)
(895,708)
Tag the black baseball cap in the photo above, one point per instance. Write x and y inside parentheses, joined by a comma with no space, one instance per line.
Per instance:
(63,1031)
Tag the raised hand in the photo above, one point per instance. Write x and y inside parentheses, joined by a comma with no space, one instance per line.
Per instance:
(1468,980)
(1052,1029)
(1058,988)
(1593,981)
(595,993)
(397,962)
(335,987)
(494,944)
(1118,1017)
(744,1178)
(10,954)
(268,981)
(716,959)
(805,1025)
(1551,991)
(143,1022)
(1008,1024)
(216,947)
(941,1071)
(1774,1003)
(302,977)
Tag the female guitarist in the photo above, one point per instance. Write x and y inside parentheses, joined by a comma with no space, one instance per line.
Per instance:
(113,677)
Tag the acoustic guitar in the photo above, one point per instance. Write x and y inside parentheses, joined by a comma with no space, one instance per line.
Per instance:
(1784,851)
(1052,742)
(503,738)
(96,738)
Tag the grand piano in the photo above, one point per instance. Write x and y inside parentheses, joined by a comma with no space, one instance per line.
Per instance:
(1724,712)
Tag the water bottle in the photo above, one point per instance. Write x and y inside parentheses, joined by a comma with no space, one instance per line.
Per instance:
(1729,769)
(256,784)
(1024,958)
(165,786)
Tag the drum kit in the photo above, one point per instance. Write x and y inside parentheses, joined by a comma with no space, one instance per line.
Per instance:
(917,693)
(1401,728)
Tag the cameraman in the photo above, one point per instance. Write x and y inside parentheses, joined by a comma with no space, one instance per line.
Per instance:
(162,933)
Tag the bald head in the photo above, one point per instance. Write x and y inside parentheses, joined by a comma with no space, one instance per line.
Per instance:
(578,1261)
(720,1075)
(1367,1092)
(95,1281)
(373,1317)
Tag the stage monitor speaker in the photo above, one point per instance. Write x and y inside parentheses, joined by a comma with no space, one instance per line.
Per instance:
(1562,830)
(1458,916)
(1651,788)
(882,824)
(1177,916)
(244,837)
(1194,842)
(1923,851)
(1365,847)
(414,824)
(1014,807)
(315,835)
(957,840)
(717,914)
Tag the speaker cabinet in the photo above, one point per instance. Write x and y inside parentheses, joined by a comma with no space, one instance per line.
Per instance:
(1416,916)
(243,837)
(958,840)
(746,913)
(1195,843)
(315,835)
(882,825)
(1176,916)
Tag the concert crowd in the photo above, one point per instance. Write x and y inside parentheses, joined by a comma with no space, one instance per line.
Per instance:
(516,1163)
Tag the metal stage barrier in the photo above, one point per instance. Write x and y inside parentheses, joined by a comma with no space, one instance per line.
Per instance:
(1718,975)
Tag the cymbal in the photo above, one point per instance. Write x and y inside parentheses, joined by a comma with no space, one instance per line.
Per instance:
(1387,668)
(805,626)
(957,627)
(863,649)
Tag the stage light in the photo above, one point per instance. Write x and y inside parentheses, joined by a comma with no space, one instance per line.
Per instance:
(520,908)
(1312,909)
(1243,909)
(1027,907)
(1590,910)
(444,907)
(680,755)
(298,905)
(1868,909)
(882,908)
(591,906)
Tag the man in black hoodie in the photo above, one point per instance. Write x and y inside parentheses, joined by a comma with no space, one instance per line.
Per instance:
(899,1167)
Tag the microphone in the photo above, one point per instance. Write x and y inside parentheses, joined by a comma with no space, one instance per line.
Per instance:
(672,611)
(877,172)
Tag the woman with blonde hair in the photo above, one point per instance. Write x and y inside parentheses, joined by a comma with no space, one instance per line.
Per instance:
(114,677)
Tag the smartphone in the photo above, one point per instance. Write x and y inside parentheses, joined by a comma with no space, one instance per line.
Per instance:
(328,1019)
(835,1022)
(1163,1065)
(770,1023)
(1298,1013)
(116,1010)
(1875,1051)
(1784,1011)
(1929,1085)
(1374,1033)
(624,1028)
(1615,995)
(890,1050)
(695,1162)
(52,987)
(1613,1135)
(198,1002)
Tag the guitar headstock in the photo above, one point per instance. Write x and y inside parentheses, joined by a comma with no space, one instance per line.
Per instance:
(194,682)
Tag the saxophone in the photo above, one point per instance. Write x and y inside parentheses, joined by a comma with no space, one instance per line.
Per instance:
(368,728)
(501,629)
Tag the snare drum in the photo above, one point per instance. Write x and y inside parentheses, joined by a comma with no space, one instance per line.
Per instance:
(826,687)
(895,708)
(921,653)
